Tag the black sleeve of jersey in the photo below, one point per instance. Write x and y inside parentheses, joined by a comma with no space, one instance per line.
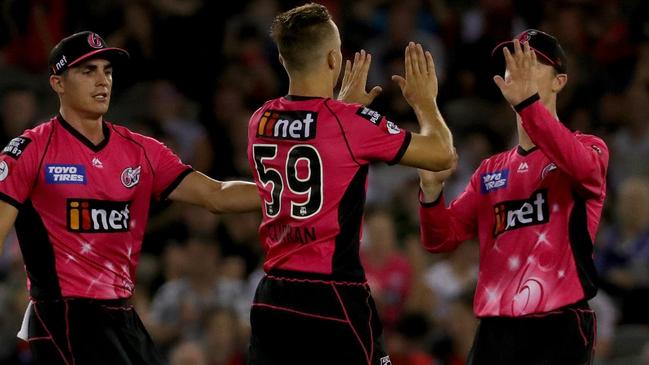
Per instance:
(402,149)
(174,184)
(9,200)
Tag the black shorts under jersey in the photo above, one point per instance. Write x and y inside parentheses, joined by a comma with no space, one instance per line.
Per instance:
(310,321)
(561,337)
(89,332)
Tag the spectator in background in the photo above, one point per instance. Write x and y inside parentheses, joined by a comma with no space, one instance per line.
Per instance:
(180,306)
(187,353)
(387,269)
(631,143)
(225,338)
(18,111)
(408,344)
(623,257)
(173,113)
(35,26)
(452,277)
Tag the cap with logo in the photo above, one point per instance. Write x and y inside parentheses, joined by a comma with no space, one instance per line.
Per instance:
(82,46)
(546,47)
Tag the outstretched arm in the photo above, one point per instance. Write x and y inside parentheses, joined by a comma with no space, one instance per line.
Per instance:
(8,214)
(217,196)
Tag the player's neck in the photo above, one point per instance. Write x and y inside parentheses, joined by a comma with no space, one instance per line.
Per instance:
(89,127)
(310,85)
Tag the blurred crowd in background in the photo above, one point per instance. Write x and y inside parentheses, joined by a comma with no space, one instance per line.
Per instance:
(199,69)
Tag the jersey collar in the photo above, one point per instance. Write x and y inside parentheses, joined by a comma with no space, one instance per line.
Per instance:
(523,152)
(301,98)
(82,138)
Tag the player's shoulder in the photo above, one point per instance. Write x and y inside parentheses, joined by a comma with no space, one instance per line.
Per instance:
(41,130)
(127,134)
(33,139)
(592,141)
(354,111)
(340,106)
(497,161)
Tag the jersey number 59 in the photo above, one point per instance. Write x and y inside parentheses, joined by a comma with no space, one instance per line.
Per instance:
(311,185)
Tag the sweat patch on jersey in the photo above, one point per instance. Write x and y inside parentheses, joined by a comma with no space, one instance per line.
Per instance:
(16,147)
(370,115)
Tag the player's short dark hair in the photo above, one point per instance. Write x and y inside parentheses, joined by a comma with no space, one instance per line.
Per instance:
(299,32)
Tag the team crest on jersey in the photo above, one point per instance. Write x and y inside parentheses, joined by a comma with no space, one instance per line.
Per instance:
(97,216)
(392,128)
(547,169)
(16,147)
(65,174)
(4,170)
(295,124)
(131,176)
(493,181)
(369,115)
(385,360)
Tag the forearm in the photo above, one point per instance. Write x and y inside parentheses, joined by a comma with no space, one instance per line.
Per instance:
(235,197)
(8,214)
(440,138)
(217,196)
(430,191)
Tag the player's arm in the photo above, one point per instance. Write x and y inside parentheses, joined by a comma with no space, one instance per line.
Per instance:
(8,214)
(217,196)
(443,229)
(584,158)
(431,149)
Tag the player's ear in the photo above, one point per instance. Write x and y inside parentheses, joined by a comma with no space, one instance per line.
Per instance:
(56,83)
(559,82)
(331,59)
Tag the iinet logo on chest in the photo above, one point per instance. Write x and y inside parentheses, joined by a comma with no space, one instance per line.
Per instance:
(297,124)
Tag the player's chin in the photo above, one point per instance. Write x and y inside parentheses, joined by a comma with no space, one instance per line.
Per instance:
(101,106)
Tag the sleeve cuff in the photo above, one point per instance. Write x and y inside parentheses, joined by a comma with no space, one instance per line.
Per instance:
(174,184)
(11,201)
(430,204)
(527,102)
(402,149)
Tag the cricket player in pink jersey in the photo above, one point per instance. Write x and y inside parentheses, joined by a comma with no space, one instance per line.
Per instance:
(78,189)
(310,156)
(535,210)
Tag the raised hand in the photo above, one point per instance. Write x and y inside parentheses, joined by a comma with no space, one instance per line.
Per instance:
(419,86)
(519,82)
(353,87)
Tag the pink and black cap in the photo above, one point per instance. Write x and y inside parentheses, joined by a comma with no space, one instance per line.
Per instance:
(82,46)
(547,48)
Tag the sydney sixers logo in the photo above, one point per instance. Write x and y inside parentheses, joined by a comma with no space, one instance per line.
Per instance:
(131,176)
(525,37)
(95,41)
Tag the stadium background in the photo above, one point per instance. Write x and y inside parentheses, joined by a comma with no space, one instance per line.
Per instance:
(198,70)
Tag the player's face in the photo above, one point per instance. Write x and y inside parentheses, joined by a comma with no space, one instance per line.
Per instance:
(547,81)
(87,87)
